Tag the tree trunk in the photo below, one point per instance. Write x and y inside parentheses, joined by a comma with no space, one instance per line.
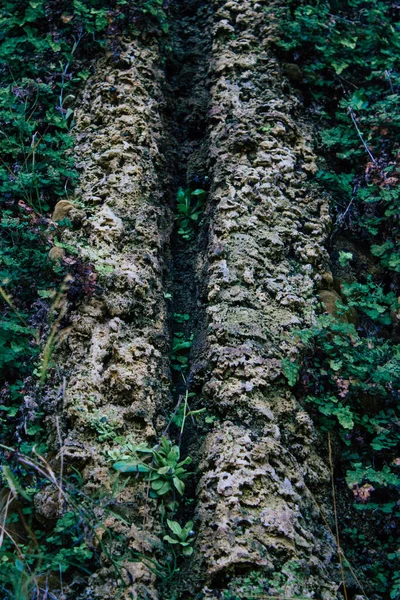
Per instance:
(217,105)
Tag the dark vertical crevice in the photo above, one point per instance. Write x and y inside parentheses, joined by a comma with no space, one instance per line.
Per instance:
(187,104)
(187,95)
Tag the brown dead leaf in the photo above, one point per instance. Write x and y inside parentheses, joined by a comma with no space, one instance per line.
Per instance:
(362,494)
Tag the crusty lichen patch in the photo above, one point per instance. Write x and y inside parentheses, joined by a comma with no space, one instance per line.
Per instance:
(256,509)
(258,278)
(264,263)
(117,349)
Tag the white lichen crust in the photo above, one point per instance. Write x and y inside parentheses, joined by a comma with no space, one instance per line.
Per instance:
(117,349)
(263,262)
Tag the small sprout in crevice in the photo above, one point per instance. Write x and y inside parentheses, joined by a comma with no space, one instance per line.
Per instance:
(184,536)
(189,208)
(181,318)
(180,351)
(162,462)
(181,413)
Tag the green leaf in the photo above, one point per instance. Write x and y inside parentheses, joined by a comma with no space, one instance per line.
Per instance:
(170,540)
(345,417)
(158,484)
(187,529)
(179,485)
(164,489)
(349,42)
(335,365)
(175,527)
(291,370)
(359,100)
(340,66)
(163,470)
(130,467)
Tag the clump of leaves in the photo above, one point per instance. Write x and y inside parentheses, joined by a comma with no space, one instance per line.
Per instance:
(257,584)
(356,94)
(28,553)
(45,52)
(181,346)
(189,208)
(349,56)
(162,463)
(47,49)
(371,300)
(183,536)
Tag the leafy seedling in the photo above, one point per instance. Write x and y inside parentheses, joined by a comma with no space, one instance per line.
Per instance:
(180,351)
(162,462)
(189,208)
(183,536)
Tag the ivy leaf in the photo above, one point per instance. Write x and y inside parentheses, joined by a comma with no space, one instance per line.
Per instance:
(345,417)
(335,365)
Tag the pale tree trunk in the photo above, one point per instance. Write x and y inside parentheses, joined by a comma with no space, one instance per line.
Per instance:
(226,112)
(264,258)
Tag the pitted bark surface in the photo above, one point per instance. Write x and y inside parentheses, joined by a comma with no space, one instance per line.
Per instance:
(264,258)
(258,266)
(119,339)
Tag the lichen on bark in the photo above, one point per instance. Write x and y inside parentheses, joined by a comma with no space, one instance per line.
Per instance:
(259,264)
(265,258)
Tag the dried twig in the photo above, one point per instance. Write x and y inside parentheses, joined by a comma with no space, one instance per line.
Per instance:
(360,135)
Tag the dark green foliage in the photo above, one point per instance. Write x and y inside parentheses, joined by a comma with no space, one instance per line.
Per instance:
(47,48)
(44,50)
(350,379)
(350,55)
(63,552)
(180,351)
(189,208)
(24,271)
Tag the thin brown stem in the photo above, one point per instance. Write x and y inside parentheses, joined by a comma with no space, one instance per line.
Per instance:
(336,519)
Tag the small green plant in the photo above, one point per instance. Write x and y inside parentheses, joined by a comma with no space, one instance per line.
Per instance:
(105,429)
(258,584)
(183,412)
(189,208)
(371,299)
(181,346)
(358,106)
(28,554)
(162,463)
(184,536)
(348,56)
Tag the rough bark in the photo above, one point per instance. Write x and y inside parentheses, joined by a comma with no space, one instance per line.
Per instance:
(257,263)
(118,346)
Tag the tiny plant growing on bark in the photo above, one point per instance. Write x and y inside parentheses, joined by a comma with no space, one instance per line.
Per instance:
(189,207)
(162,462)
(183,536)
